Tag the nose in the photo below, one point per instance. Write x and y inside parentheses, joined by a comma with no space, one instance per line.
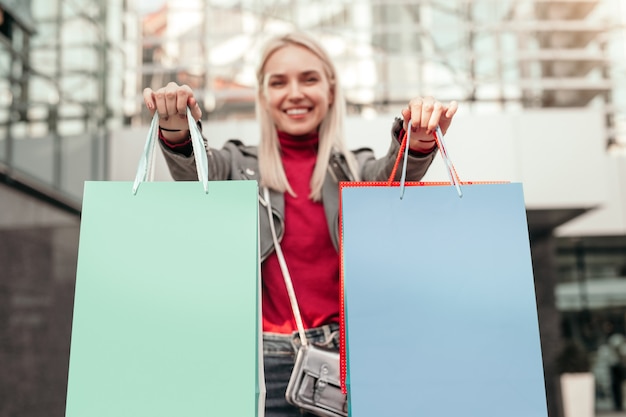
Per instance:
(295,91)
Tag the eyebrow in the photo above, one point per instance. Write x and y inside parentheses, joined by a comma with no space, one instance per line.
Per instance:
(303,73)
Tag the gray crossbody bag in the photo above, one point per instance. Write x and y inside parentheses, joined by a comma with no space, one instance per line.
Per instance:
(314,384)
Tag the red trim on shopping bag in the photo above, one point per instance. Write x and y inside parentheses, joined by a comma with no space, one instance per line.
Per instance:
(403,145)
(343,360)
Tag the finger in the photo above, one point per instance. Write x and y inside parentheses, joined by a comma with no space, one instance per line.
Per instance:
(434,117)
(416,110)
(451,110)
(171,99)
(196,112)
(184,95)
(427,110)
(406,115)
(159,102)
(449,113)
(148,99)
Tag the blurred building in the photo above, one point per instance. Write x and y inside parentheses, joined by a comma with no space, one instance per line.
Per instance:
(62,67)
(541,85)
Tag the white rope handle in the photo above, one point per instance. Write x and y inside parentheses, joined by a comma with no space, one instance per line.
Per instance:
(286,276)
(454,178)
(145,169)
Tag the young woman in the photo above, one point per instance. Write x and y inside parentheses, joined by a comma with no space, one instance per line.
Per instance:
(300,158)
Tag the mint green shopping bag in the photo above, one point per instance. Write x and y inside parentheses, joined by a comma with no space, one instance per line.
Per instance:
(167,310)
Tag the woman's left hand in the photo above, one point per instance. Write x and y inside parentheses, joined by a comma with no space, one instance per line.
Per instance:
(424,114)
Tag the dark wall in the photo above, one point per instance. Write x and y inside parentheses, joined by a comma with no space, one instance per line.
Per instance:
(543,251)
(37,275)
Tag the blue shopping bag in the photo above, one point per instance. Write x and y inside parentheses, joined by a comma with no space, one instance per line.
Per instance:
(440,316)
(167,299)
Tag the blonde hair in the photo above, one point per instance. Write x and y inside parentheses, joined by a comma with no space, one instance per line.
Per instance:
(330,130)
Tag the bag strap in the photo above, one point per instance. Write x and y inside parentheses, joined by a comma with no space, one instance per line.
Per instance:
(145,169)
(404,150)
(285,271)
(452,174)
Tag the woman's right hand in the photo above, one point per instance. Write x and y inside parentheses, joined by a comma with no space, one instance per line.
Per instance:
(171,103)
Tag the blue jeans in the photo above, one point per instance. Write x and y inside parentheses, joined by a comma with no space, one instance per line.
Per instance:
(279,354)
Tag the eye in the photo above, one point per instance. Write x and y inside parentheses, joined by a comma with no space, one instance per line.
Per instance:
(276,83)
(311,79)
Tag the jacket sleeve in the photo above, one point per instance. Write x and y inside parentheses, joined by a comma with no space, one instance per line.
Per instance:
(183,168)
(373,169)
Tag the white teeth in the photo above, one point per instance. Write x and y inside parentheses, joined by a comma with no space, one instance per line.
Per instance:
(297,111)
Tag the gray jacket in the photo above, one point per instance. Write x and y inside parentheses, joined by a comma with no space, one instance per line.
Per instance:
(235,161)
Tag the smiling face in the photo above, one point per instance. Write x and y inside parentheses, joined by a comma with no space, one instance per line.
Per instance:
(298,93)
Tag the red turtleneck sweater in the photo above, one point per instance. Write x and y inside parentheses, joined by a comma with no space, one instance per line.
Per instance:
(309,253)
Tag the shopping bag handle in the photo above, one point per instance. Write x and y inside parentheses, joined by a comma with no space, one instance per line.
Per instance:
(404,150)
(145,169)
